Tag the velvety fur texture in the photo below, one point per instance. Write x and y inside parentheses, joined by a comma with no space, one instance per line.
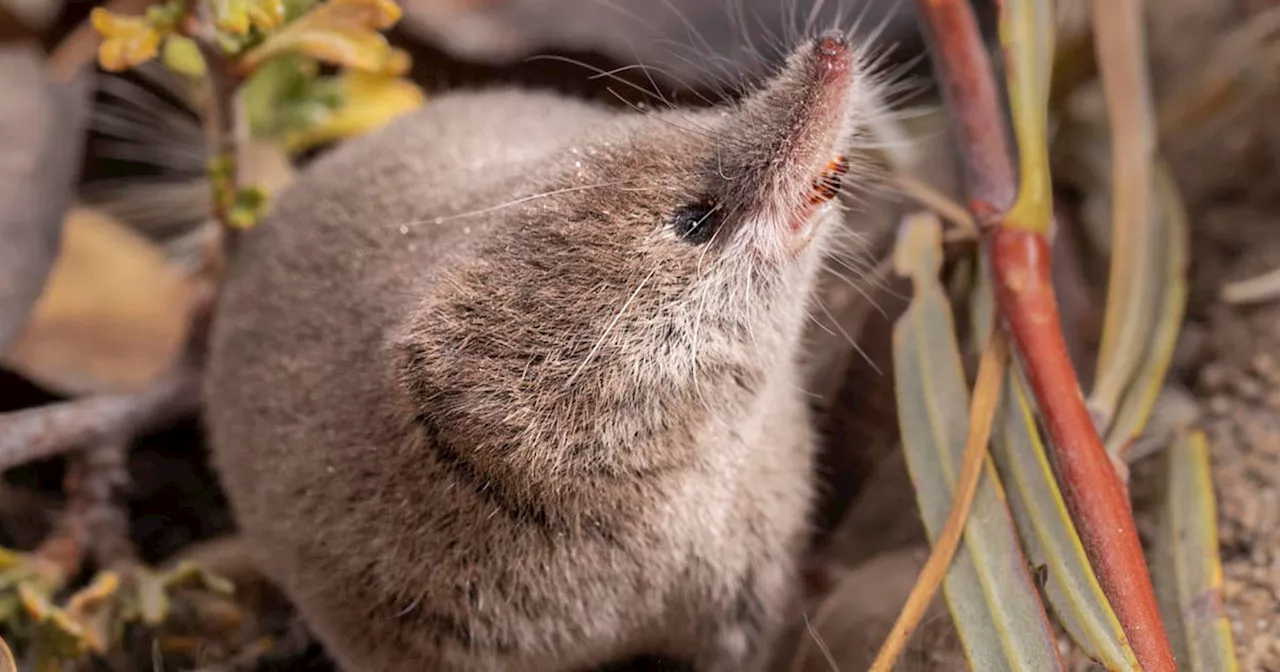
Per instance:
(479,407)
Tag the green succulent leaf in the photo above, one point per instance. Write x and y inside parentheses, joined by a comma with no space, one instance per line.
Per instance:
(1188,571)
(989,589)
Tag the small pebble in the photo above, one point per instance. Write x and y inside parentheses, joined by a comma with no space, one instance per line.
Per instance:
(1265,365)
(1213,377)
(1248,387)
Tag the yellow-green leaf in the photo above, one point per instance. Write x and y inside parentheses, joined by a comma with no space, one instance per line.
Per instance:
(339,32)
(369,101)
(127,40)
(153,600)
(993,600)
(181,55)
(1044,524)
(10,606)
(247,207)
(238,16)
(1126,329)
(1026,29)
(1122,406)
(284,94)
(189,574)
(17,567)
(1187,571)
(93,608)
(1170,240)
(57,637)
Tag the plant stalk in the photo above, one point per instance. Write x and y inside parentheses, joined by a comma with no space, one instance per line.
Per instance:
(1025,299)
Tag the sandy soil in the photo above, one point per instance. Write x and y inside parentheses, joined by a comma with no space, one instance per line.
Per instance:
(1229,170)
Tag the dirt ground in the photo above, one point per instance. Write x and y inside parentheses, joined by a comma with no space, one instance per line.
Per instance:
(1230,354)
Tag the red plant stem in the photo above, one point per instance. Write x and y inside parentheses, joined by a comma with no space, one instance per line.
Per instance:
(1024,294)
(1097,499)
(964,71)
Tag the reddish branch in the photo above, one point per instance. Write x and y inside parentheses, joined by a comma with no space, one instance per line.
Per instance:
(970,92)
(1020,263)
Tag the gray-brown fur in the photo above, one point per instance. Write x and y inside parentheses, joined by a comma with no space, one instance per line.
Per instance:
(476,438)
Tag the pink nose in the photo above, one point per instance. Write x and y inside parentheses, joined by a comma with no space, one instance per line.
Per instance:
(832,45)
(833,52)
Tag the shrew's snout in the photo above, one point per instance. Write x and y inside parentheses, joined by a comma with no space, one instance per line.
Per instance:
(833,54)
(789,139)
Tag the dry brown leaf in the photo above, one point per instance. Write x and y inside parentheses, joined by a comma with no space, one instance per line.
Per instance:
(113,314)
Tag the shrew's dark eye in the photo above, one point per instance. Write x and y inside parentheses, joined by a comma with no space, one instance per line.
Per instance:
(696,223)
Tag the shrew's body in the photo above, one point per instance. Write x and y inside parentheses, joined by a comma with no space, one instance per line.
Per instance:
(512,383)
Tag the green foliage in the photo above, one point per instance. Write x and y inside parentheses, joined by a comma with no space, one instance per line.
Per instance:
(47,633)
(993,600)
(269,54)
(285,95)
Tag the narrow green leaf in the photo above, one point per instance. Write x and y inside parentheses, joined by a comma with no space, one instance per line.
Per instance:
(1187,572)
(1026,29)
(181,55)
(1170,237)
(152,599)
(1050,537)
(1124,406)
(368,102)
(993,600)
(344,33)
(189,574)
(1126,329)
(1044,524)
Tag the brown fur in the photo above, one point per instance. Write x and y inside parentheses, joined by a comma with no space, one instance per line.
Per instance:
(546,435)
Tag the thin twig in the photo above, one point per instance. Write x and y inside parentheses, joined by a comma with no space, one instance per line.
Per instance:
(982,411)
(1265,287)
(96,479)
(938,202)
(101,428)
(93,522)
(219,117)
(55,429)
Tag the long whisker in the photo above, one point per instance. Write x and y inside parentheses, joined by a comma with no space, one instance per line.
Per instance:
(853,343)
(662,71)
(612,323)
(695,130)
(599,72)
(508,204)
